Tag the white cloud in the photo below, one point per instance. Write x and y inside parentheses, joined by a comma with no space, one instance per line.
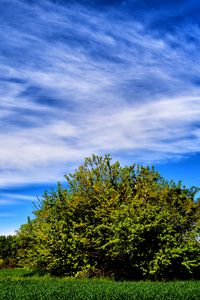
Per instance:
(120,90)
(7,231)
(10,198)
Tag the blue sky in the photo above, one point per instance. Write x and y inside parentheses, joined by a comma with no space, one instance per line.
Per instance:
(83,77)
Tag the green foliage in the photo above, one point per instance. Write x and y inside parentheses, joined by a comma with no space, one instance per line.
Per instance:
(8,251)
(122,222)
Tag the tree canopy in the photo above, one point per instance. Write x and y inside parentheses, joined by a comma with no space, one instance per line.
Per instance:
(124,222)
(8,251)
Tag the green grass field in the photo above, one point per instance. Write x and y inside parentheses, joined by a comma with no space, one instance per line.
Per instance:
(22,284)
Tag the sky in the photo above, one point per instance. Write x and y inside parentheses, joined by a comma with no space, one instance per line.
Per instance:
(95,77)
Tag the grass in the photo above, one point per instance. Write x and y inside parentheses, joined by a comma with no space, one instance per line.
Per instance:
(23,285)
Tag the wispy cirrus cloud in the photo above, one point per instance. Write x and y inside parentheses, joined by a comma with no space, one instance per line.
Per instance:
(76,81)
(5,202)
(10,198)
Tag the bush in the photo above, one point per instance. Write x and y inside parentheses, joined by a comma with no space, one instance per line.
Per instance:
(122,222)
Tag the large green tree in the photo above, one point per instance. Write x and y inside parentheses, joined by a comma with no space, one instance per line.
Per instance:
(124,222)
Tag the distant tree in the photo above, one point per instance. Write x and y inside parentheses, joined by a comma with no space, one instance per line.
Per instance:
(125,222)
(8,251)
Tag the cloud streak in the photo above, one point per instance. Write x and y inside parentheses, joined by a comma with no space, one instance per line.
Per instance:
(10,198)
(85,81)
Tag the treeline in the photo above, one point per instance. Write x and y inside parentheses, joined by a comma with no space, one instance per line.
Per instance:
(8,251)
(123,222)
